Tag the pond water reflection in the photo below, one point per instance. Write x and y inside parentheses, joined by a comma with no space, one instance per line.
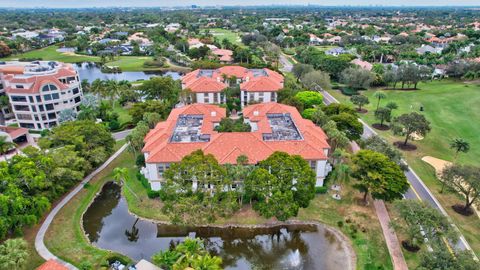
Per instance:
(109,225)
(90,71)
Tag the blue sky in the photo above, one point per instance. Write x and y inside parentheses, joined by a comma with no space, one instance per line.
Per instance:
(151,3)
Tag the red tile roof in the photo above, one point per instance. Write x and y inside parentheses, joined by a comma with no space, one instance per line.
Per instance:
(264,80)
(52,265)
(226,147)
(14,132)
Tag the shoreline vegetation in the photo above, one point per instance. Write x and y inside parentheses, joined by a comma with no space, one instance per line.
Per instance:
(356,225)
(123,63)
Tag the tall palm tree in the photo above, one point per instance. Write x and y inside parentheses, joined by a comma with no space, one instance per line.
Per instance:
(13,254)
(379,95)
(121,176)
(5,146)
(459,145)
(132,235)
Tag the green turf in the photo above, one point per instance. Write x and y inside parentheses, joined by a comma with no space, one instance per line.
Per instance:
(126,63)
(453,110)
(228,34)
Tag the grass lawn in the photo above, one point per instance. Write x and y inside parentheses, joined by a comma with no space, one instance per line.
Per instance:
(65,237)
(123,115)
(453,110)
(221,34)
(126,63)
(50,53)
(323,48)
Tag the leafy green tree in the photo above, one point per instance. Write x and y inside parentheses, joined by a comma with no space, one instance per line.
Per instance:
(191,254)
(152,118)
(377,175)
(336,138)
(442,259)
(423,222)
(349,124)
(5,146)
(92,141)
(299,70)
(309,99)
(13,254)
(280,185)
(379,95)
(408,124)
(378,144)
(161,88)
(459,145)
(464,179)
(383,114)
(149,106)
(357,78)
(360,101)
(231,125)
(316,80)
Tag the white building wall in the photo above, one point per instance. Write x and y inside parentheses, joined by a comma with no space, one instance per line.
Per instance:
(211,98)
(247,97)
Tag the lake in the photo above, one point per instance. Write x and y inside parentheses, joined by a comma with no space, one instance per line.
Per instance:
(109,225)
(90,71)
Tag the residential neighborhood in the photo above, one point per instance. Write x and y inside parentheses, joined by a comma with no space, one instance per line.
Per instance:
(149,135)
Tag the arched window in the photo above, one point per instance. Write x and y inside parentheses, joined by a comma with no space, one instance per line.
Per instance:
(49,87)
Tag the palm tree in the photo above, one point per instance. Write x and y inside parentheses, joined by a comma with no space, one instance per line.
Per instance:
(132,235)
(379,95)
(121,176)
(5,146)
(13,254)
(459,145)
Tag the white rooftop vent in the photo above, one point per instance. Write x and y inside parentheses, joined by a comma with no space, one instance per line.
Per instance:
(256,113)
(213,114)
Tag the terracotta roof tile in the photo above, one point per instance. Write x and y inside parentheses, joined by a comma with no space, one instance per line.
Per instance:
(52,265)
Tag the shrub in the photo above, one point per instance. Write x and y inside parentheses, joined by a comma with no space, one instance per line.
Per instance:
(309,98)
(140,160)
(340,224)
(349,91)
(152,194)
(321,190)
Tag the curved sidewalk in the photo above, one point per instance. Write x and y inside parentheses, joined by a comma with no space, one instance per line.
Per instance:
(39,244)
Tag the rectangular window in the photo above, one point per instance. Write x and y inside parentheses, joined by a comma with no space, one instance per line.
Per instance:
(41,108)
(24,108)
(313,165)
(47,97)
(273,97)
(251,97)
(52,116)
(75,91)
(19,86)
(18,98)
(77,99)
(24,116)
(215,98)
(30,98)
(34,109)
(27,125)
(39,126)
(206,98)
(55,96)
(260,97)
(39,99)
(49,107)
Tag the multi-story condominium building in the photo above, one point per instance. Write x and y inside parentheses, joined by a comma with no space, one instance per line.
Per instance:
(256,85)
(39,90)
(274,127)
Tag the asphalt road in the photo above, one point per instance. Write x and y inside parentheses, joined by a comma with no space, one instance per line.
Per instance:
(418,190)
(286,65)
(121,135)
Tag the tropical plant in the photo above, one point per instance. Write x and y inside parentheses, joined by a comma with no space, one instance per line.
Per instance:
(459,145)
(13,254)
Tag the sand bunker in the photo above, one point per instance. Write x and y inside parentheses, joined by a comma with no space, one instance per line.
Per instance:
(436,163)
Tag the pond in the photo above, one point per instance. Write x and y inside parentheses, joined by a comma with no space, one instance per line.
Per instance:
(109,225)
(91,71)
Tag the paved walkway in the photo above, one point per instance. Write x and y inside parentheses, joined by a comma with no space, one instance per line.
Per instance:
(39,244)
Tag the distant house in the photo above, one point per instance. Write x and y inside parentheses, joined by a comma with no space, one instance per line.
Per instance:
(120,34)
(336,51)
(25,34)
(108,40)
(314,40)
(363,64)
(334,40)
(172,27)
(224,56)
(428,49)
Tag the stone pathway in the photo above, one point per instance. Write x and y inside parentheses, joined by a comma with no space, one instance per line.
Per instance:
(39,243)
(391,238)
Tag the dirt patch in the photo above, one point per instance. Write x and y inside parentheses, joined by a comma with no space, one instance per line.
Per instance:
(407,147)
(362,110)
(461,210)
(380,127)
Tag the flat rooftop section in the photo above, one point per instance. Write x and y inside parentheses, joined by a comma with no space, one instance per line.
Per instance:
(259,73)
(205,73)
(187,129)
(26,69)
(283,128)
